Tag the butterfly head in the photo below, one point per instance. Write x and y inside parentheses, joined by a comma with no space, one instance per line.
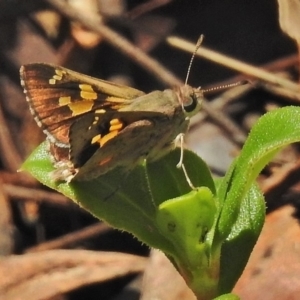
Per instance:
(190,99)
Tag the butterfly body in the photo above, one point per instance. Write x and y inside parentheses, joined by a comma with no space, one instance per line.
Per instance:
(94,126)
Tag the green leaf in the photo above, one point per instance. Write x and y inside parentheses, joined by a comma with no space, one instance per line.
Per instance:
(207,234)
(236,249)
(128,202)
(147,202)
(242,210)
(227,297)
(186,221)
(270,134)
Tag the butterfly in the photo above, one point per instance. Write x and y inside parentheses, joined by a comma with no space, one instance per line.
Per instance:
(94,126)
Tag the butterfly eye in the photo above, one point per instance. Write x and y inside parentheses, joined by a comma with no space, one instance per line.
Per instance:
(191,103)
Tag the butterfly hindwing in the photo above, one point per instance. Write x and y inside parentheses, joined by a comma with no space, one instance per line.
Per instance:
(114,139)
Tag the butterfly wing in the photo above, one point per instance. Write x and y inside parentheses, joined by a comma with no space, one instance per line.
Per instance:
(95,126)
(57,96)
(116,139)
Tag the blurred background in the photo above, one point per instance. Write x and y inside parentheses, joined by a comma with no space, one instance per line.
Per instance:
(35,221)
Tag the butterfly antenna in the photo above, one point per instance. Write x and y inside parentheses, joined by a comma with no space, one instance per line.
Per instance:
(199,42)
(224,87)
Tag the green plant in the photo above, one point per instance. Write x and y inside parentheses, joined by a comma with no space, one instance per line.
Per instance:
(208,233)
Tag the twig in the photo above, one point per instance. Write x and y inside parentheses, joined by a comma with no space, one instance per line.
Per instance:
(19,179)
(283,92)
(10,156)
(274,66)
(234,64)
(230,95)
(71,238)
(222,101)
(117,41)
(279,182)
(29,194)
(229,127)
(144,8)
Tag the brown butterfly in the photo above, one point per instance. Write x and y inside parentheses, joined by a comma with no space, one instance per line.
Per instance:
(94,126)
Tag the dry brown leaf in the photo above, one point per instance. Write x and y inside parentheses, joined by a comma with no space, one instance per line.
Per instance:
(84,37)
(162,282)
(289,18)
(273,270)
(6,226)
(50,21)
(44,275)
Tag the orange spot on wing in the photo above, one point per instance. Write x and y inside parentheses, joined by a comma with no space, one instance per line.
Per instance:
(108,137)
(115,124)
(78,108)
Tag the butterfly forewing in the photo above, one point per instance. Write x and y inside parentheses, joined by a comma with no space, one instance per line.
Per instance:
(57,96)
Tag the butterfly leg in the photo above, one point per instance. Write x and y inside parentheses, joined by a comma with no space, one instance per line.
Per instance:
(187,177)
(180,139)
